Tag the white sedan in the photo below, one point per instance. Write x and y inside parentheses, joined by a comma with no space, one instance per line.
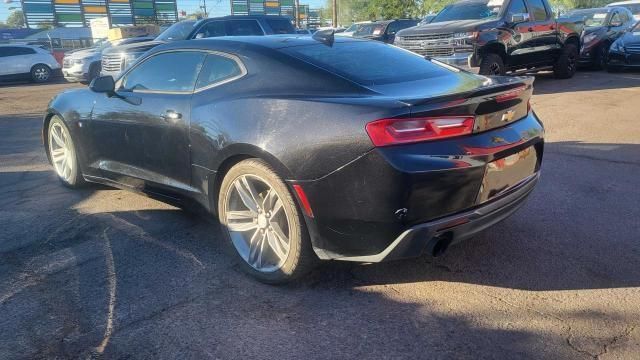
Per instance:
(23,61)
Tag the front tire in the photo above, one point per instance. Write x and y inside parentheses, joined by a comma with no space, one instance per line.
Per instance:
(263,224)
(63,153)
(566,64)
(40,73)
(492,64)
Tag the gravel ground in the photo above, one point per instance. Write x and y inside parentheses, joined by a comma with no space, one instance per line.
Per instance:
(104,273)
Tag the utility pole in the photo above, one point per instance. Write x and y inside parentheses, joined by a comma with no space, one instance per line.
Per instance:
(297,14)
(204,8)
(335,14)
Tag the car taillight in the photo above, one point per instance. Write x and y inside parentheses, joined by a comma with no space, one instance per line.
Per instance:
(511,94)
(387,132)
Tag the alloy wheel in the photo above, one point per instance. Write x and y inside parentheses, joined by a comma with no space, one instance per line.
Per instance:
(257,223)
(495,69)
(61,151)
(41,73)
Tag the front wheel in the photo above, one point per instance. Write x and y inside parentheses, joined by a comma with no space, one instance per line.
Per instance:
(566,64)
(491,64)
(602,57)
(263,223)
(40,73)
(63,153)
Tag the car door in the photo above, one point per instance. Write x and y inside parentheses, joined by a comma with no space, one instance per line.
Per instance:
(522,40)
(12,60)
(5,59)
(140,134)
(544,33)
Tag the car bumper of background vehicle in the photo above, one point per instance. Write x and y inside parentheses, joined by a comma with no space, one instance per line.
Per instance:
(617,59)
(360,208)
(453,229)
(461,60)
(74,77)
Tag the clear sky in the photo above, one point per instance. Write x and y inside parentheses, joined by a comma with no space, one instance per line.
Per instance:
(215,7)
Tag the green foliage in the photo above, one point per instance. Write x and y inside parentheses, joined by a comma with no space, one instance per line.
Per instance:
(15,19)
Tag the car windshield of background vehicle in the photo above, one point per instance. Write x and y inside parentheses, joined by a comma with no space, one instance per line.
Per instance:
(375,70)
(591,18)
(369,30)
(177,31)
(470,11)
(280,26)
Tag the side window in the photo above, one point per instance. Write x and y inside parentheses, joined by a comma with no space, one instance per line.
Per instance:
(212,29)
(217,68)
(160,73)
(243,28)
(281,26)
(24,51)
(6,51)
(538,11)
(394,27)
(516,7)
(616,19)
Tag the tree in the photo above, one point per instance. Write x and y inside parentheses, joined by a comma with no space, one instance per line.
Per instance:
(16,19)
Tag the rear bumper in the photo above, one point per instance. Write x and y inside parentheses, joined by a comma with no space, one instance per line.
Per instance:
(389,196)
(455,228)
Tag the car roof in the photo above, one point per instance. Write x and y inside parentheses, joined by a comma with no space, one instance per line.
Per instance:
(624,3)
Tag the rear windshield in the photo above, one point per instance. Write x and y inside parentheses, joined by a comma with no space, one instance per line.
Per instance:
(367,62)
(470,11)
(370,30)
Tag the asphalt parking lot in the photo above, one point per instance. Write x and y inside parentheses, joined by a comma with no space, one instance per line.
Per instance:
(105,273)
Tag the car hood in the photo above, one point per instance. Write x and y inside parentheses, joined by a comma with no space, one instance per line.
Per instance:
(82,53)
(133,48)
(445,26)
(631,37)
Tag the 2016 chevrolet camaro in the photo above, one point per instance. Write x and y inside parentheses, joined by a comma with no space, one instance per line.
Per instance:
(307,148)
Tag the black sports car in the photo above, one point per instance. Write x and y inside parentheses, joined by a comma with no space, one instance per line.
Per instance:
(602,26)
(625,52)
(304,152)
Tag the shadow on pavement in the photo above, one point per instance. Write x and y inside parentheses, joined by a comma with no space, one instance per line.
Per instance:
(546,83)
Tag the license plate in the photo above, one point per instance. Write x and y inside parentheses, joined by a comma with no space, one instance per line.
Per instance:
(502,174)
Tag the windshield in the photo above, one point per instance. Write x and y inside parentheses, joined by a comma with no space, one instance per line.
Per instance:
(353,27)
(470,11)
(591,18)
(370,30)
(177,31)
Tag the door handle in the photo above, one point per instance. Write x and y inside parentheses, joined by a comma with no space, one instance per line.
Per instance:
(171,115)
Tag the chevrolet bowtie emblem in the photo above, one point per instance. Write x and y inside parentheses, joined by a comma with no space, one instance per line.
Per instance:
(508,116)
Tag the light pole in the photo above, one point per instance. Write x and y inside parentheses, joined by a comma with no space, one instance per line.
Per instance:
(297,13)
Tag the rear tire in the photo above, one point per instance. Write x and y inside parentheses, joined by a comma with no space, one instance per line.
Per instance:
(492,64)
(263,224)
(40,73)
(63,153)
(566,64)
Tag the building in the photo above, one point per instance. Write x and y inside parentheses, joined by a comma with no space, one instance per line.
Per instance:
(308,17)
(76,13)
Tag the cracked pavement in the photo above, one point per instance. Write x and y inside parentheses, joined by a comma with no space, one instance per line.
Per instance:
(102,273)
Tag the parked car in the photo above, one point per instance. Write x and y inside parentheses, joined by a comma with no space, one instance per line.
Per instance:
(632,5)
(304,32)
(304,153)
(499,37)
(384,31)
(85,64)
(27,62)
(352,29)
(625,52)
(602,26)
(118,58)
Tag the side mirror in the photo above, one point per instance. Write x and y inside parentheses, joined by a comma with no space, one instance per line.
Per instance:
(103,84)
(519,18)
